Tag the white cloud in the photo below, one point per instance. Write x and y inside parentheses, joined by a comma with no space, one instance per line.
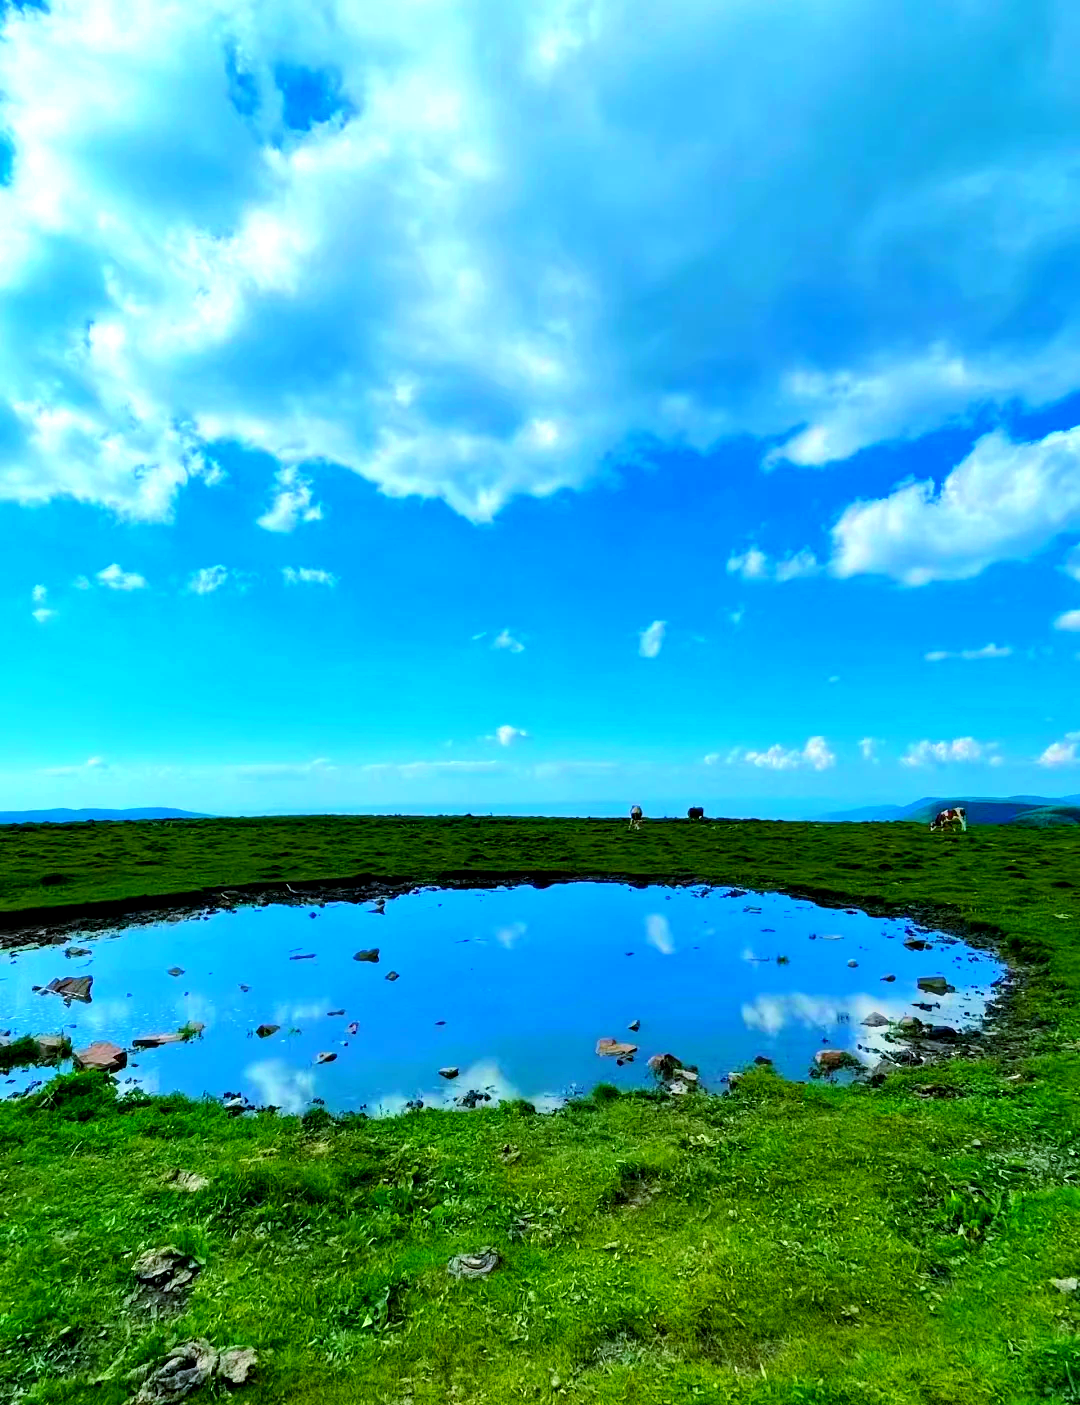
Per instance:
(506,735)
(307,575)
(755,565)
(292,503)
(1003,502)
(1069,620)
(928,753)
(506,640)
(42,615)
(447,296)
(38,594)
(208,579)
(816,754)
(82,583)
(90,766)
(868,749)
(658,934)
(1063,753)
(736,616)
(712,759)
(651,640)
(116,579)
(988,651)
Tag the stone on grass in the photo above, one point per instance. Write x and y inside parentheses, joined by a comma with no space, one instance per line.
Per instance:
(110,1058)
(190,1181)
(186,1368)
(235,1363)
(1065,1285)
(477,1265)
(614,1048)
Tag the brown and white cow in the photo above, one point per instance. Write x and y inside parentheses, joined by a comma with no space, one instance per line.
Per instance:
(635,816)
(950,819)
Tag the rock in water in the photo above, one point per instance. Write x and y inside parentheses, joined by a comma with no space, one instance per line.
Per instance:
(72,988)
(50,1046)
(391,975)
(370,955)
(449,1072)
(264,1031)
(155,1041)
(664,1065)
(830,1059)
(935,985)
(110,1058)
(634,1026)
(614,1048)
(175,971)
(875,1019)
(325,1058)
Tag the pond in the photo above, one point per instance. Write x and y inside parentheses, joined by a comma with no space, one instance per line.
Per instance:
(512,986)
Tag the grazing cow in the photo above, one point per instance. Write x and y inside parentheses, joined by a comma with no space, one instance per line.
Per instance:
(695,812)
(949,819)
(635,816)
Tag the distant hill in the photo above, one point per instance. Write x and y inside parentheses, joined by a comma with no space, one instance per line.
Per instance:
(74,816)
(1030,810)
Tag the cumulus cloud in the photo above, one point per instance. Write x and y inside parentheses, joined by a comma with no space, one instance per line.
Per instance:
(816,755)
(868,749)
(427,285)
(506,735)
(307,575)
(755,565)
(117,579)
(1003,502)
(1070,620)
(1063,753)
(505,640)
(208,579)
(650,641)
(292,503)
(928,753)
(988,651)
(38,595)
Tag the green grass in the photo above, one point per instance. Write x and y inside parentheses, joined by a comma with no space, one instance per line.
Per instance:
(784,1243)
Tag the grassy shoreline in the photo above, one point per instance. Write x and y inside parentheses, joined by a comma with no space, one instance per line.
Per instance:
(784,1243)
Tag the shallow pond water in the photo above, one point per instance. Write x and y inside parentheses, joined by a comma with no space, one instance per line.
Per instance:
(513,986)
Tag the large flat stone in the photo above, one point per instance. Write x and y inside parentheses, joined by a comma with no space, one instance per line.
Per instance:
(103,1055)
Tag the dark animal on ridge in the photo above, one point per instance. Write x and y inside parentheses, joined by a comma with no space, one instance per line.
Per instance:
(695,812)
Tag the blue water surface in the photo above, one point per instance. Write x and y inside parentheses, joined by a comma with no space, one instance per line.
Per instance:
(514,986)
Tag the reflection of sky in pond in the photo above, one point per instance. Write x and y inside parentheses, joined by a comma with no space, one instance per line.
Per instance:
(513,986)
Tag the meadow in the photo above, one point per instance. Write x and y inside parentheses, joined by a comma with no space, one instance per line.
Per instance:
(917,1241)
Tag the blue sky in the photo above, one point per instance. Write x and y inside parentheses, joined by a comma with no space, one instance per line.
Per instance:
(487,405)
